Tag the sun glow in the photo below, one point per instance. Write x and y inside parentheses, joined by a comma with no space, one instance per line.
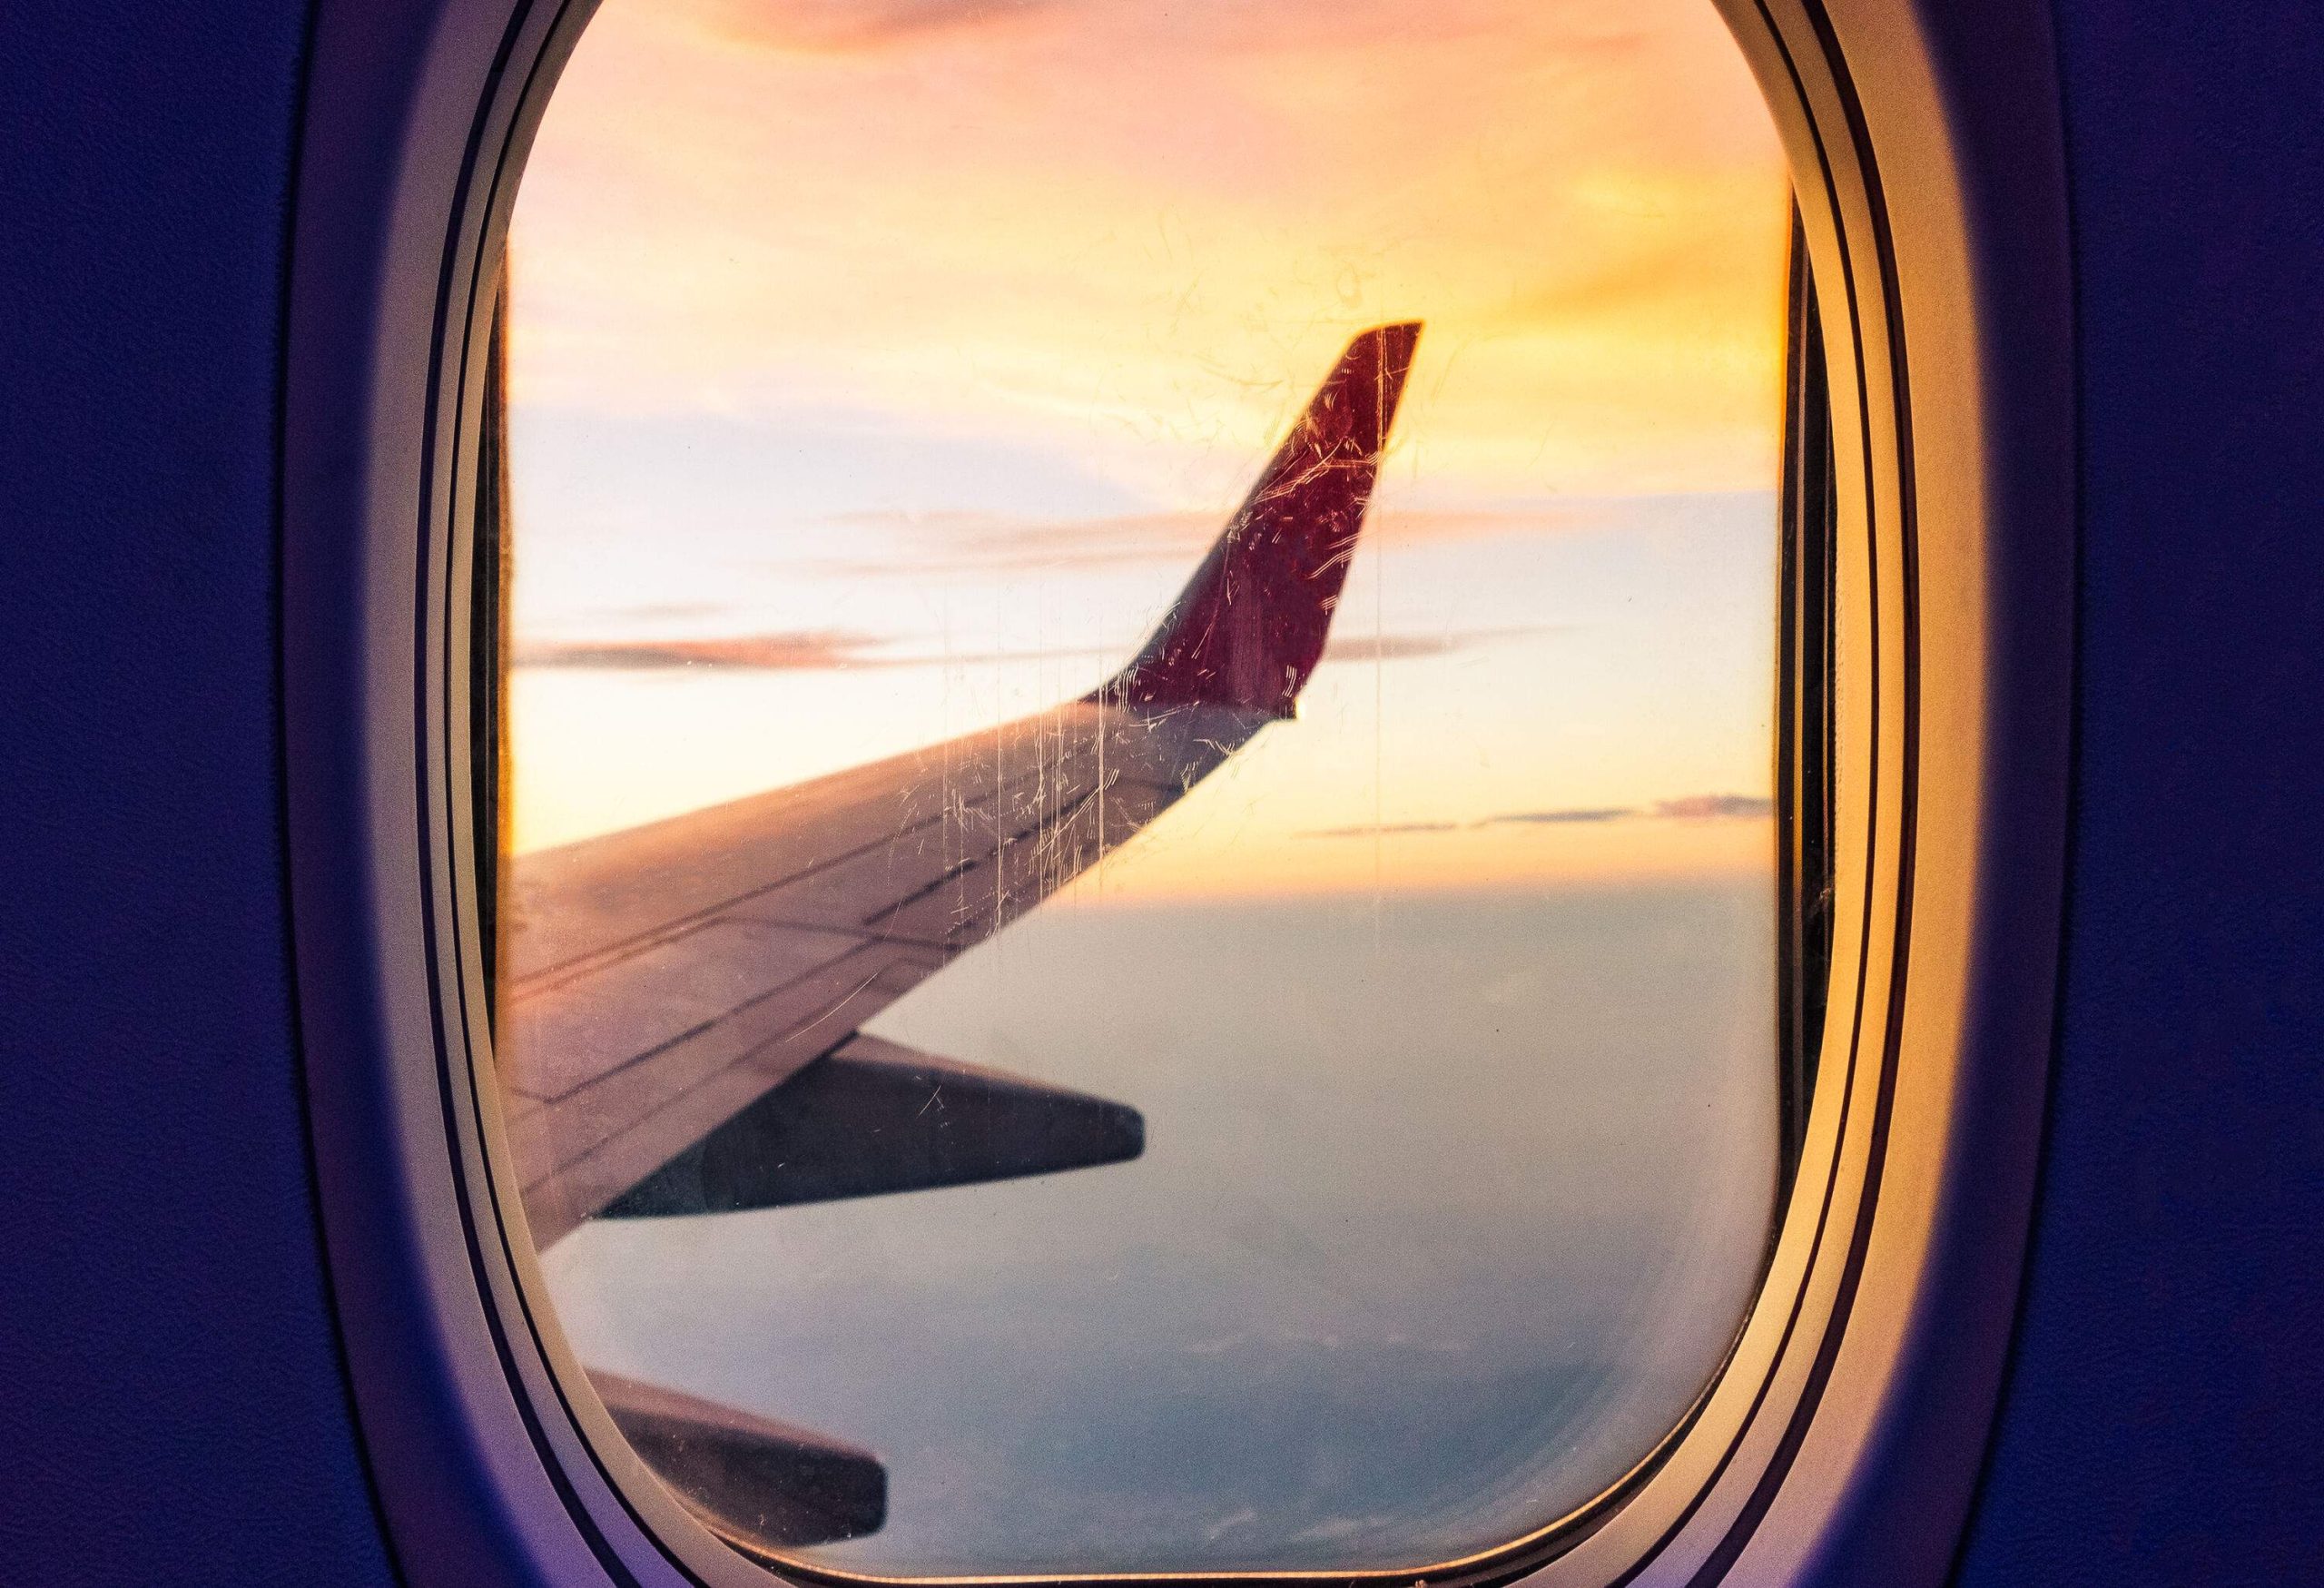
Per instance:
(898,343)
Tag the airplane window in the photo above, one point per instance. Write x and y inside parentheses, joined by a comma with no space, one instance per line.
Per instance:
(1142,924)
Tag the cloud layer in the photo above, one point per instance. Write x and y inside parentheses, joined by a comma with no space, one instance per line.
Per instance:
(932,545)
(821,650)
(1705,807)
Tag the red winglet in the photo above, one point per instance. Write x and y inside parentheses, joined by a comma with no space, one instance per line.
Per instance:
(1251,624)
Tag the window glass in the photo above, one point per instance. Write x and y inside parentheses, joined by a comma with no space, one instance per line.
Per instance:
(1140,920)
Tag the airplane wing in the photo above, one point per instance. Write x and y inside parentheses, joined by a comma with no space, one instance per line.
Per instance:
(679,1020)
(754,1481)
(680,1004)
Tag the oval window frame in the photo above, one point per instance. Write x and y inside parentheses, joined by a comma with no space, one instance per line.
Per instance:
(1852,1414)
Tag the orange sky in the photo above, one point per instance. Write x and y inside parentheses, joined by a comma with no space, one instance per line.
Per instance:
(1086,259)
(1045,214)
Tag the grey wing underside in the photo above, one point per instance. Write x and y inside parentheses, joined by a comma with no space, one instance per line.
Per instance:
(663,981)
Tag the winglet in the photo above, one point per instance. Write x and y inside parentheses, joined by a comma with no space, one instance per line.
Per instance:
(1250,626)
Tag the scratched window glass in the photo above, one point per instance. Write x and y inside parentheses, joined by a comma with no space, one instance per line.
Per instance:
(1139,912)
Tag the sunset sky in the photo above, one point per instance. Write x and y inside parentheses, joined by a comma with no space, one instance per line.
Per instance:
(881,368)
(921,347)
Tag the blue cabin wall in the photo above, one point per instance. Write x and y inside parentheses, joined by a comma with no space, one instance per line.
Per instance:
(2165,1419)
(172,1409)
